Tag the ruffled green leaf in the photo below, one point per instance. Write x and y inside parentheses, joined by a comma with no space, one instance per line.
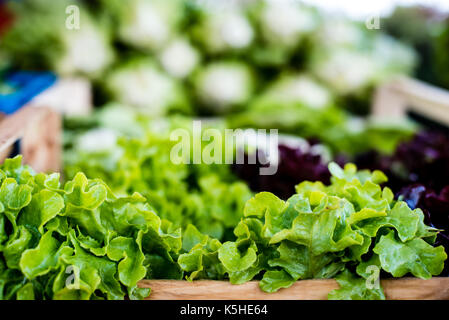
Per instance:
(128,251)
(415,256)
(42,259)
(26,292)
(45,205)
(233,260)
(15,247)
(300,263)
(202,261)
(401,218)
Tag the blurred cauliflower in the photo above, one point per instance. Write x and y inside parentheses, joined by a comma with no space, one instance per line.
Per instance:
(149,24)
(223,85)
(299,88)
(336,32)
(392,56)
(141,84)
(345,71)
(179,58)
(97,140)
(284,23)
(222,31)
(86,51)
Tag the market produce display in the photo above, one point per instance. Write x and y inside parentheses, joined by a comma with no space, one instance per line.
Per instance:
(353,199)
(109,243)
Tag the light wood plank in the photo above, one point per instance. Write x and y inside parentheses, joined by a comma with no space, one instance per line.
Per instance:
(395,289)
(39,130)
(393,99)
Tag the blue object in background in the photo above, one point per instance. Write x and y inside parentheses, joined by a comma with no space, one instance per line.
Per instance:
(22,87)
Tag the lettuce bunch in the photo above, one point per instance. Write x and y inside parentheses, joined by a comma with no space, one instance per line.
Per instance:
(78,241)
(350,230)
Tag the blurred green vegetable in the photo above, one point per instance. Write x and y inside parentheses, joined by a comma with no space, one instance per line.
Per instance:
(441,66)
(149,24)
(224,86)
(43,37)
(423,34)
(333,126)
(142,85)
(138,51)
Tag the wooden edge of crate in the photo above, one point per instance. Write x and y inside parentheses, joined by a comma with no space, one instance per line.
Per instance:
(39,131)
(395,289)
(400,95)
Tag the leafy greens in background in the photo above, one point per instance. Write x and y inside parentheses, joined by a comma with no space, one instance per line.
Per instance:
(331,125)
(214,57)
(207,196)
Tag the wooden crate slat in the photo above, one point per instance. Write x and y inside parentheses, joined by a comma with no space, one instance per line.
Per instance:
(395,289)
(39,131)
(393,99)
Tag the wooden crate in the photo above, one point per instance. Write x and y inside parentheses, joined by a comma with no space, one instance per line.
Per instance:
(395,289)
(35,132)
(396,98)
